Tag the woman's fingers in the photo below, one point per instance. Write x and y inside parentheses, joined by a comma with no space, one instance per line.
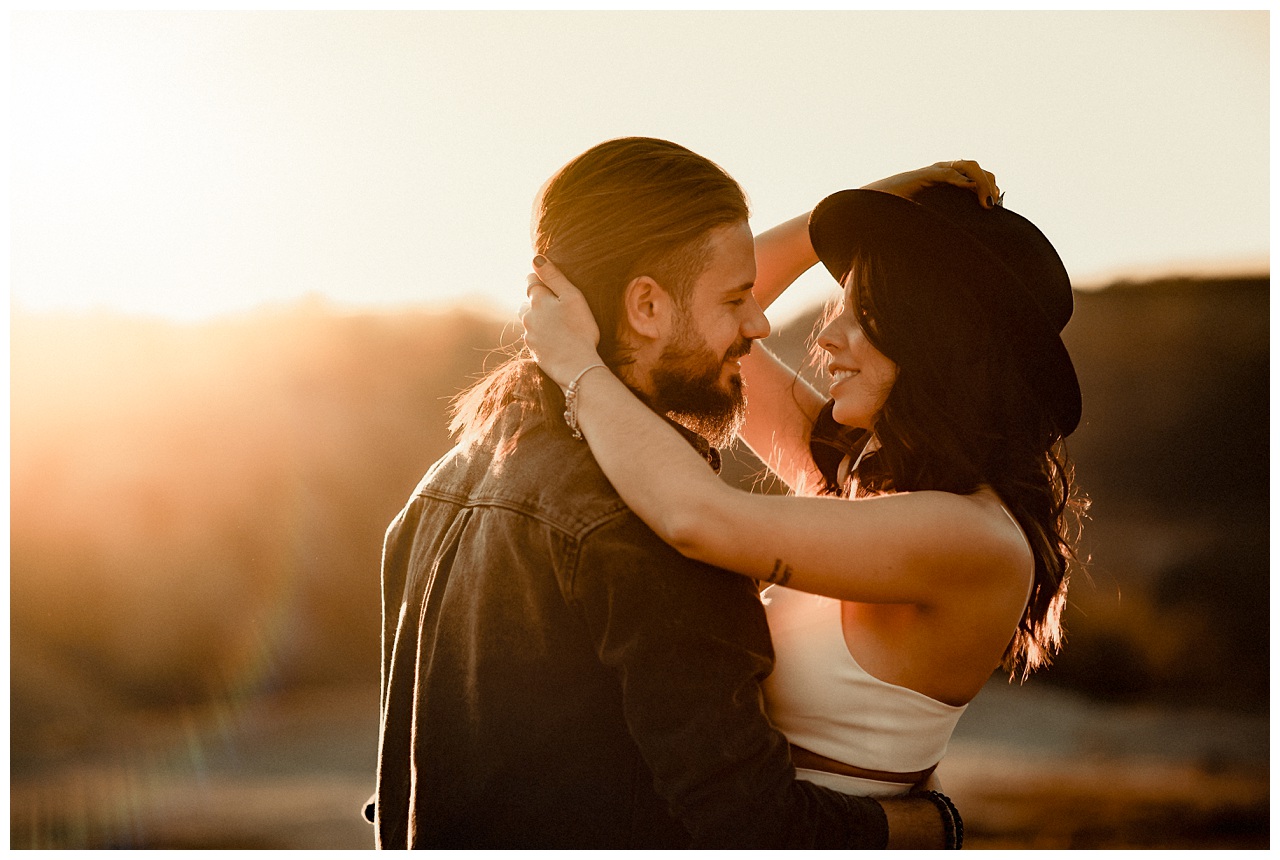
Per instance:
(967,173)
(988,191)
(988,182)
(552,277)
(982,181)
(962,173)
(534,292)
(556,306)
(997,196)
(954,173)
(538,290)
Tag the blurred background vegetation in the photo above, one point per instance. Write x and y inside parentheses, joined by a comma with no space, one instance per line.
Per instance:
(197,513)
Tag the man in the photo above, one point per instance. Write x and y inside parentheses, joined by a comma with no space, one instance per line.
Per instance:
(554,675)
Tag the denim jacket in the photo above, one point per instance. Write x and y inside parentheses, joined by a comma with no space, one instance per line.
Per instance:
(555,676)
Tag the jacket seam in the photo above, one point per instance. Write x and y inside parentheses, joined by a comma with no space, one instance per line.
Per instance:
(577,532)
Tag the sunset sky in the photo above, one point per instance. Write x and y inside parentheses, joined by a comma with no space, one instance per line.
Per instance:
(195,164)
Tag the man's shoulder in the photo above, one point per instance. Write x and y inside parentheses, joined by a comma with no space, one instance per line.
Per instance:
(540,472)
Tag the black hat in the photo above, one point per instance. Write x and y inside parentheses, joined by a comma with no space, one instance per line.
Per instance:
(1003,259)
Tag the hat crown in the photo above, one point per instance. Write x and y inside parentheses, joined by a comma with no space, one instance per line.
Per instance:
(1014,241)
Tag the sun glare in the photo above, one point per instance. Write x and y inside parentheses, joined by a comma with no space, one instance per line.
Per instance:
(77,123)
(193,164)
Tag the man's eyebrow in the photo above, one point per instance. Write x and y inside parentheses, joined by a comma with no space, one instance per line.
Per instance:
(743,288)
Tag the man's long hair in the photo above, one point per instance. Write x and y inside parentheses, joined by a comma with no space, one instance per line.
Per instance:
(624,208)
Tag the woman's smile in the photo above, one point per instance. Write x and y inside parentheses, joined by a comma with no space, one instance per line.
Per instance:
(840,374)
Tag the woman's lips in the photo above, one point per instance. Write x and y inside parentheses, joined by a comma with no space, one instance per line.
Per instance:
(839,375)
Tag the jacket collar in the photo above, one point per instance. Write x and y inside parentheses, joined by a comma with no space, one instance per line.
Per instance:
(699,443)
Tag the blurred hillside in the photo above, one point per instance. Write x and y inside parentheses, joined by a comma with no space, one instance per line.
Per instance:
(1176,456)
(197,510)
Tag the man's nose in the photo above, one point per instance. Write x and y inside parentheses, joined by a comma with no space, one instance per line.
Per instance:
(756,326)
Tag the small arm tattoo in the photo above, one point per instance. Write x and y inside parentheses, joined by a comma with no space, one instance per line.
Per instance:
(781,574)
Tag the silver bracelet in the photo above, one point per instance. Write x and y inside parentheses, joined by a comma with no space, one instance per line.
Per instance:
(571,401)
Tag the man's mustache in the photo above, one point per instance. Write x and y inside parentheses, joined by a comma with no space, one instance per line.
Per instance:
(739,349)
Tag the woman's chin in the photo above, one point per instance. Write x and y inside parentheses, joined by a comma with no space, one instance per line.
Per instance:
(849,417)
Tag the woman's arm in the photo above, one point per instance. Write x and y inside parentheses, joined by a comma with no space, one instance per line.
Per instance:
(784,252)
(905,548)
(781,410)
(781,406)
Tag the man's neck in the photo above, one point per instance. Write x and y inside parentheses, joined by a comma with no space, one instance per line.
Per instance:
(631,374)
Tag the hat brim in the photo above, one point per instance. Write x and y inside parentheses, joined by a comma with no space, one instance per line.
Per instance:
(849,223)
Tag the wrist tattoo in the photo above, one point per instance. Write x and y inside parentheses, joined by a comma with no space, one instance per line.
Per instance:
(781,573)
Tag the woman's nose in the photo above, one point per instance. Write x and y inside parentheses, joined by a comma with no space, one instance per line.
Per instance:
(826,337)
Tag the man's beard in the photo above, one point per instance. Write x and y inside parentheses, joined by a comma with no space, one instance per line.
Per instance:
(687,387)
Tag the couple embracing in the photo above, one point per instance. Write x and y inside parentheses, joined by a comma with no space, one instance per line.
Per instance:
(591,641)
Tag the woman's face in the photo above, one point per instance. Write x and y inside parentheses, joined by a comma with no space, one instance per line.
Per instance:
(861,375)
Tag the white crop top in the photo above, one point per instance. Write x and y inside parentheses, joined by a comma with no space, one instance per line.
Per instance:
(822,700)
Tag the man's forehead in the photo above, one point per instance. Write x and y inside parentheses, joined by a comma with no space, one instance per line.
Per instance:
(732,255)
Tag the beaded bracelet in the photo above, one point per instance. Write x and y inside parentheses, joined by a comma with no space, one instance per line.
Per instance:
(571,401)
(955,813)
(952,823)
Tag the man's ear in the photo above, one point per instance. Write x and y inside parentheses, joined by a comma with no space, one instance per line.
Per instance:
(647,307)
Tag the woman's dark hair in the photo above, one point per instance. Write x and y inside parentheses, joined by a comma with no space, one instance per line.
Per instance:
(960,416)
(624,208)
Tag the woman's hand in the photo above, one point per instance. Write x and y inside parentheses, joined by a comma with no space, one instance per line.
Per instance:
(559,328)
(965,174)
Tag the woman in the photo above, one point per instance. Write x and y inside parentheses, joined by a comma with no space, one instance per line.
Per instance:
(927,543)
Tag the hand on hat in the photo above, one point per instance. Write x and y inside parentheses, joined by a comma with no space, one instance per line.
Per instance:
(962,173)
(559,328)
